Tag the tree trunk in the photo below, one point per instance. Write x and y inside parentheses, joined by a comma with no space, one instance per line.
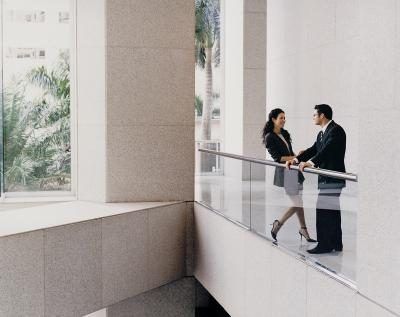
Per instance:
(207,105)
(207,160)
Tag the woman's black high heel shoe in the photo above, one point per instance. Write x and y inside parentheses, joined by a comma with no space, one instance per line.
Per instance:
(301,233)
(276,225)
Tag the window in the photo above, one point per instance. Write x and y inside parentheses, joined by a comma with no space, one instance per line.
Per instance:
(208,82)
(36,122)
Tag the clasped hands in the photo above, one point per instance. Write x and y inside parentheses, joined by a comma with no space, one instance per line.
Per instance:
(302,165)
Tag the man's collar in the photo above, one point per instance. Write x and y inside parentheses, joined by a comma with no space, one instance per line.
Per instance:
(325,126)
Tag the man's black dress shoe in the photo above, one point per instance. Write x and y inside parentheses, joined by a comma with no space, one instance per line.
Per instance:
(339,248)
(320,250)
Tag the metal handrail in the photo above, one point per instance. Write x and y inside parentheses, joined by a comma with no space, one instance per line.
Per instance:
(347,176)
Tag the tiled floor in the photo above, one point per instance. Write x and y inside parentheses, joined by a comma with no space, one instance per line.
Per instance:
(257,203)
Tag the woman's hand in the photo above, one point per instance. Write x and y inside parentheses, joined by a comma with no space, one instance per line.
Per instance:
(284,159)
(290,162)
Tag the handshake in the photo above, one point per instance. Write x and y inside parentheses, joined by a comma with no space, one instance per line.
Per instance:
(302,165)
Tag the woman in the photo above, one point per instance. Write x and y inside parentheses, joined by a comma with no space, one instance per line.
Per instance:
(279,144)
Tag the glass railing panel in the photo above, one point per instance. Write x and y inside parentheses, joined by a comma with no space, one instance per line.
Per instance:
(344,202)
(208,164)
(226,191)
(277,193)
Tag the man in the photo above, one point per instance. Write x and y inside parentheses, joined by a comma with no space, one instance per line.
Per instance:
(327,152)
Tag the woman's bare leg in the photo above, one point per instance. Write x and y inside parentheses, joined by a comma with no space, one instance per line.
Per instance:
(300,215)
(277,224)
(302,221)
(299,211)
(290,212)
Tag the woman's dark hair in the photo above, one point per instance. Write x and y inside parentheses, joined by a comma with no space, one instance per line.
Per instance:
(269,125)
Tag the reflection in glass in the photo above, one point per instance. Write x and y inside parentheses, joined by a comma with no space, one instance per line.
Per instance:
(227,193)
(270,202)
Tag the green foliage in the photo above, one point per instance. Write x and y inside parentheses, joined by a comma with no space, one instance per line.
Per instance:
(207,30)
(37,153)
(198,105)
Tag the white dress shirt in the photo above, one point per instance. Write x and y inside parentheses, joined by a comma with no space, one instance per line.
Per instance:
(323,131)
(325,126)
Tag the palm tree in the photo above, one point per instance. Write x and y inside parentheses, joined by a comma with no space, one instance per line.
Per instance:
(18,166)
(207,35)
(198,105)
(37,130)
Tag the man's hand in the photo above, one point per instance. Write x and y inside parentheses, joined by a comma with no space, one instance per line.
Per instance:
(303,165)
(290,162)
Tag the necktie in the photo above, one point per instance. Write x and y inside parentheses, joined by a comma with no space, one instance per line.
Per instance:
(321,136)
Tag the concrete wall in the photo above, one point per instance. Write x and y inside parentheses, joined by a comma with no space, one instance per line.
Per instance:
(244,61)
(174,299)
(76,269)
(379,101)
(254,74)
(233,76)
(91,100)
(346,53)
(312,58)
(254,68)
(249,276)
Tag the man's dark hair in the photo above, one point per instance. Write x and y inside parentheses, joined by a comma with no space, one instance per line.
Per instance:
(325,109)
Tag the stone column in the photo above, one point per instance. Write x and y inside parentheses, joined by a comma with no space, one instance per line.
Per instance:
(245,83)
(91,100)
(148,125)
(244,41)
(254,75)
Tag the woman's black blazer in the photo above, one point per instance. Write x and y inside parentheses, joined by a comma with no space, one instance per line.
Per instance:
(277,148)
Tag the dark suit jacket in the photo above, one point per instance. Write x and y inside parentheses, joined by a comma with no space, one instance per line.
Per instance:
(328,153)
(277,148)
